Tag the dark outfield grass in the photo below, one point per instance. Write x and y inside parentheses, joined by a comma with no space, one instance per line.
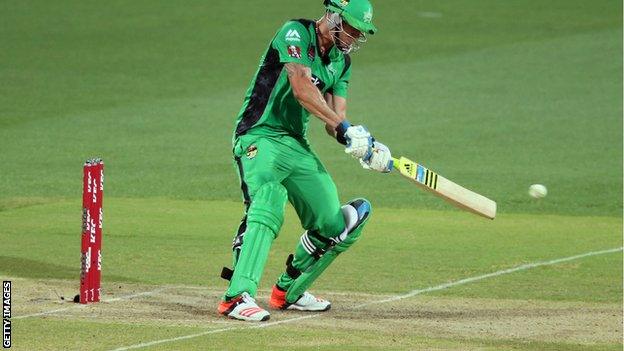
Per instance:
(496,95)
(493,95)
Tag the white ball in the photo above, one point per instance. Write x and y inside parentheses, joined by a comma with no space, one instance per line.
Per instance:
(537,191)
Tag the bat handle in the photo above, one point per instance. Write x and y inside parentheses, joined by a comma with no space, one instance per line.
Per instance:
(395,163)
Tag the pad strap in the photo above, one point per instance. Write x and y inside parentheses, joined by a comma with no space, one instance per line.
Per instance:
(311,248)
(316,235)
(227,273)
(290,270)
(311,261)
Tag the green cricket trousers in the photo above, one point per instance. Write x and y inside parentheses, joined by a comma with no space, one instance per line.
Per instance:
(266,166)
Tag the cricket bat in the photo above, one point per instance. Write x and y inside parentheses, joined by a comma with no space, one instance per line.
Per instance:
(446,189)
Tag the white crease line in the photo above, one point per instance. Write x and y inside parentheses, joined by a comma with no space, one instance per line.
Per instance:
(489,275)
(214,331)
(127,297)
(132,296)
(398,297)
(48,312)
(267,292)
(78,305)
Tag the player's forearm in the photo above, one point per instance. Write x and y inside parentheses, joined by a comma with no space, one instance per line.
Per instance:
(311,99)
(309,96)
(339,105)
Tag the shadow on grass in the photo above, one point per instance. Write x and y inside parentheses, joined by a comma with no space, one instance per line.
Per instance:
(26,268)
(22,202)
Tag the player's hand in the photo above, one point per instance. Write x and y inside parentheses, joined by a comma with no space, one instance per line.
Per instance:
(380,160)
(358,141)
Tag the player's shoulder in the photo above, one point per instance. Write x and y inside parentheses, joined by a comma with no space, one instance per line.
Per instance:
(299,22)
(346,59)
(342,62)
(295,30)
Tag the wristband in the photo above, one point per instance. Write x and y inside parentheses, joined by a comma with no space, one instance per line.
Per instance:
(341,129)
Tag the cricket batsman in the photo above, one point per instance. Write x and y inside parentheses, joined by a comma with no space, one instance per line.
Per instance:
(304,71)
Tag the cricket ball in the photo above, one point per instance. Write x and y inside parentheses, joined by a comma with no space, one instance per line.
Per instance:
(537,191)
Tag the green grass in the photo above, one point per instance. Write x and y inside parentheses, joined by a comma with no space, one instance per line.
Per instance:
(428,248)
(493,95)
(266,339)
(155,93)
(99,337)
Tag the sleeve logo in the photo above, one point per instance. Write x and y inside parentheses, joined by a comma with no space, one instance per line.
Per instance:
(293,35)
(318,83)
(311,52)
(294,51)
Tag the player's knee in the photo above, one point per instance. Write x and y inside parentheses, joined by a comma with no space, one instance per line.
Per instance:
(332,226)
(351,219)
(267,206)
(356,212)
(260,179)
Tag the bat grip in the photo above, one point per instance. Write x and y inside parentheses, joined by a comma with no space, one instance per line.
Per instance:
(395,163)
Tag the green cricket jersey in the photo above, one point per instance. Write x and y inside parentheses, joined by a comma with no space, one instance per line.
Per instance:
(270,107)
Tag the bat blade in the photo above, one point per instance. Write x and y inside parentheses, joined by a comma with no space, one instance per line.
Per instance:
(446,189)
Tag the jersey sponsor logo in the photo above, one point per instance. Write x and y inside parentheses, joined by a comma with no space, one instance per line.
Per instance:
(294,51)
(331,68)
(344,3)
(368,16)
(252,151)
(293,35)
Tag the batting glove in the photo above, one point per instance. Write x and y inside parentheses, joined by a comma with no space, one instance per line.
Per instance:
(358,141)
(380,160)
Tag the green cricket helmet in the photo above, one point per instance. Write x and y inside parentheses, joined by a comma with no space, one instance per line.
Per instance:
(358,13)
